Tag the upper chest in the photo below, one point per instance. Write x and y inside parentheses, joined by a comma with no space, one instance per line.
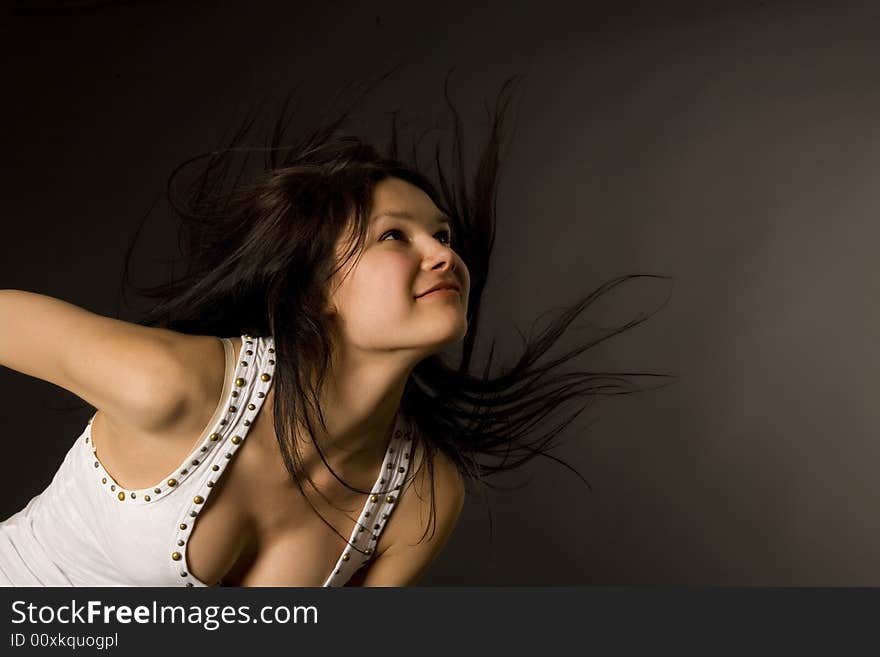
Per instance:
(254,518)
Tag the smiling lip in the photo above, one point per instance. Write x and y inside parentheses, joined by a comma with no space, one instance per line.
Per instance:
(441,291)
(443,286)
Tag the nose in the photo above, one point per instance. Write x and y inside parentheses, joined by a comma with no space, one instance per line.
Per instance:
(441,257)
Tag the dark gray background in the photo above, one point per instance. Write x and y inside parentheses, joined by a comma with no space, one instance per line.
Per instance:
(732,146)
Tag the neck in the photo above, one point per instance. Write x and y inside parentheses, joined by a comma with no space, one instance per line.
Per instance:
(361,400)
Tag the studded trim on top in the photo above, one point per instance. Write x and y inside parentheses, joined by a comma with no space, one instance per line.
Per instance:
(378,508)
(253,378)
(201,453)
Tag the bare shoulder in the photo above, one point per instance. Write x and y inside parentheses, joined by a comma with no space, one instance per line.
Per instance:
(422,524)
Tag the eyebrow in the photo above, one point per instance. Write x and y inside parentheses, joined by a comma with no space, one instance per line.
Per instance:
(403,214)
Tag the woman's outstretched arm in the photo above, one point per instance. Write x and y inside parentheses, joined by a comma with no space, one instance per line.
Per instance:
(134,374)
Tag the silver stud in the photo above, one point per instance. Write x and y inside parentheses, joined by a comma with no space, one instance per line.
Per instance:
(157,490)
(375,526)
(112,487)
(133,496)
(261,394)
(247,423)
(210,484)
(271,350)
(232,409)
(224,421)
(228,455)
(184,471)
(180,543)
(401,469)
(249,352)
(196,462)
(96,464)
(205,448)
(271,362)
(183,573)
(390,466)
(243,364)
(235,393)
(215,467)
(192,514)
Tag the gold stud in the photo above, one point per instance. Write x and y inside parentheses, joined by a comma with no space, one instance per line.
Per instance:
(236,440)
(215,467)
(390,466)
(345,557)
(198,499)
(374,498)
(215,436)
(232,409)
(183,525)
(147,498)
(271,350)
(401,469)
(239,382)
(103,480)
(265,377)
(251,407)
(271,362)
(249,352)
(243,364)
(389,499)
(121,496)
(175,556)
(172,482)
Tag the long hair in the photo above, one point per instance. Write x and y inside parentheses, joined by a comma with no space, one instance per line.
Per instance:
(258,254)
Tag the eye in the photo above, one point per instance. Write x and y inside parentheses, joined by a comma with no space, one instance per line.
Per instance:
(390,232)
(448,234)
(447,240)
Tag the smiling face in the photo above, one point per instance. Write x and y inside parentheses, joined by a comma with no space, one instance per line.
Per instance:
(407,251)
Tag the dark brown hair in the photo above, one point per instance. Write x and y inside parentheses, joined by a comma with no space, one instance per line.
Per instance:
(258,254)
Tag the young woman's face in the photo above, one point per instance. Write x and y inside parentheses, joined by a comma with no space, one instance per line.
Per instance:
(379,299)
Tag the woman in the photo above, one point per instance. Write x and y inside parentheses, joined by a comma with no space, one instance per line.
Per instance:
(334,279)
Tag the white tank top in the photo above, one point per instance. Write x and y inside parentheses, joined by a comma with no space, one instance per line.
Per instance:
(86,530)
